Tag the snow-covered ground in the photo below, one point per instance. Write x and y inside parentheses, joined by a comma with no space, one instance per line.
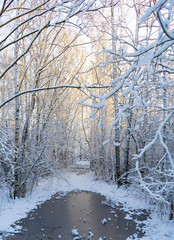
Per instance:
(85,164)
(12,210)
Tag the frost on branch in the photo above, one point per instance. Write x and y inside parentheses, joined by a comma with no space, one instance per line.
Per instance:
(158,181)
(6,161)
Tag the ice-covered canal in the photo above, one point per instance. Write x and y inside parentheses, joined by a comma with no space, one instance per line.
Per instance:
(79,215)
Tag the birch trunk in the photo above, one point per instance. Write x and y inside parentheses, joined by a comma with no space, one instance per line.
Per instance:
(17,123)
(166,160)
(114,75)
(127,144)
(129,123)
(106,171)
(166,163)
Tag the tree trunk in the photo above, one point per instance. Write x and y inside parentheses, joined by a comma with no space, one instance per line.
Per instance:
(17,123)
(127,144)
(106,171)
(171,216)
(114,74)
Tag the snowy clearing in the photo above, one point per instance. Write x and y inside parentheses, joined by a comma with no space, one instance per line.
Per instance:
(13,210)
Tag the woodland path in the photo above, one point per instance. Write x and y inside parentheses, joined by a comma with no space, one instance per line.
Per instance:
(89,212)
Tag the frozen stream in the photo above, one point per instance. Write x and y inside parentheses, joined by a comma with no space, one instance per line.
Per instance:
(87,212)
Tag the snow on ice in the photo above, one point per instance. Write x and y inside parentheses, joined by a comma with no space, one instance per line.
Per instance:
(104,221)
(74,232)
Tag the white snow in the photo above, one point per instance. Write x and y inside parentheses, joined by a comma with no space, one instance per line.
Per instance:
(82,164)
(128,217)
(116,144)
(13,210)
(106,141)
(91,235)
(76,238)
(104,221)
(75,232)
(150,10)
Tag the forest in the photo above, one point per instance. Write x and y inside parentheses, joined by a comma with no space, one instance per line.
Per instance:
(89,80)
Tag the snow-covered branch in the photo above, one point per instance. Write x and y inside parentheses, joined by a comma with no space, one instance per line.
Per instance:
(151,193)
(150,10)
(158,134)
(50,88)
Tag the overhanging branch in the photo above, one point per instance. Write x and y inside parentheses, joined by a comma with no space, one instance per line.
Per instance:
(50,88)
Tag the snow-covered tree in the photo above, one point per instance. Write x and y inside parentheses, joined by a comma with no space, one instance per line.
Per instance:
(144,86)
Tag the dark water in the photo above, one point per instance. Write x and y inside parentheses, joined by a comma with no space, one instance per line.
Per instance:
(56,218)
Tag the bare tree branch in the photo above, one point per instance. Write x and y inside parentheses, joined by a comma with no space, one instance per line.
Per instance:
(50,88)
